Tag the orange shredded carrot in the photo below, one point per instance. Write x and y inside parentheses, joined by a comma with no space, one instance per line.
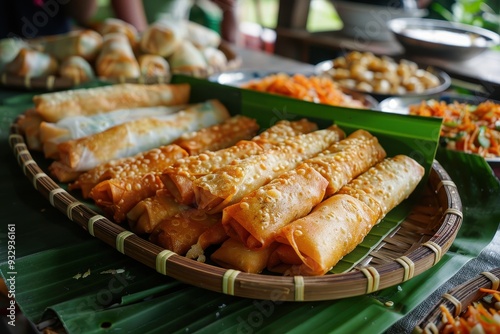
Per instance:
(472,129)
(308,88)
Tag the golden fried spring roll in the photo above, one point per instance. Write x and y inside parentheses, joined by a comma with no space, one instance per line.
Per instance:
(139,135)
(255,220)
(282,130)
(153,66)
(55,106)
(219,136)
(233,254)
(32,63)
(77,69)
(84,43)
(178,178)
(181,231)
(214,235)
(229,184)
(63,173)
(116,58)
(9,48)
(347,159)
(74,127)
(113,25)
(396,178)
(116,197)
(151,161)
(162,38)
(29,123)
(338,224)
(201,36)
(148,213)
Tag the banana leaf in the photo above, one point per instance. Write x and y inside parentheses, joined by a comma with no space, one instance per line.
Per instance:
(63,273)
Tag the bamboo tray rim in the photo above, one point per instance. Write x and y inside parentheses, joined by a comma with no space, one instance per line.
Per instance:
(365,280)
(458,298)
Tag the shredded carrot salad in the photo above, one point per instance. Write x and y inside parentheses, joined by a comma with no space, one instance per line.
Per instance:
(468,128)
(309,88)
(478,318)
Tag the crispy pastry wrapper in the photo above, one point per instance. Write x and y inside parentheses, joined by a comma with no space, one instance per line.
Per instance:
(29,123)
(179,232)
(214,235)
(315,243)
(89,101)
(229,184)
(201,36)
(187,58)
(63,173)
(116,197)
(151,161)
(116,58)
(77,69)
(346,159)
(282,130)
(32,63)
(259,216)
(113,25)
(219,136)
(338,224)
(162,37)
(74,127)
(9,48)
(148,213)
(178,178)
(153,66)
(139,135)
(84,43)
(233,254)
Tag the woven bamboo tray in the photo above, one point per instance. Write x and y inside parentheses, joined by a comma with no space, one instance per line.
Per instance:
(417,244)
(457,299)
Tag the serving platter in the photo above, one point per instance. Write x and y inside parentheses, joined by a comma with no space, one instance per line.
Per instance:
(458,299)
(416,242)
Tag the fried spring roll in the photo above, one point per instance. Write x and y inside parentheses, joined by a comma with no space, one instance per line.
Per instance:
(282,130)
(255,220)
(347,159)
(116,197)
(312,245)
(77,69)
(32,63)
(139,135)
(116,58)
(214,235)
(181,231)
(162,38)
(113,25)
(29,124)
(151,161)
(229,184)
(219,136)
(148,213)
(233,254)
(178,178)
(153,66)
(55,106)
(187,58)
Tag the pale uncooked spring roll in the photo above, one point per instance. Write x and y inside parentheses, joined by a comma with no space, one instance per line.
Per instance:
(179,232)
(84,43)
(139,135)
(219,136)
(151,161)
(255,220)
(74,127)
(201,36)
(116,58)
(32,63)
(229,184)
(153,66)
(312,245)
(89,101)
(148,213)
(77,69)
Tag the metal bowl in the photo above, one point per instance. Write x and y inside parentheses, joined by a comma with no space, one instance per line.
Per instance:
(443,39)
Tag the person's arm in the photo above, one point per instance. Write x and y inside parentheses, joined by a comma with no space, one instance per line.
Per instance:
(131,11)
(81,10)
(230,20)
